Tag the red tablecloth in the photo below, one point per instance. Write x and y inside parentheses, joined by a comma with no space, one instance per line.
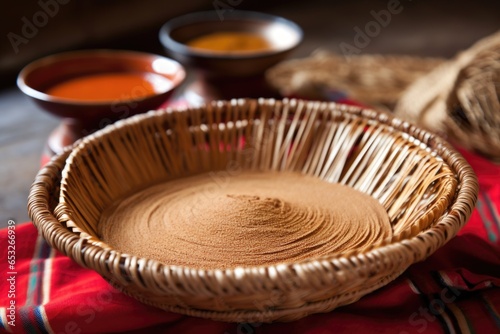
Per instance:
(456,290)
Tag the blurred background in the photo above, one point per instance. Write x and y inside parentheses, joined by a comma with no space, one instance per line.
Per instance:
(33,29)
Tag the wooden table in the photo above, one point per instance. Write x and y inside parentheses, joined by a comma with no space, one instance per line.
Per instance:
(421,28)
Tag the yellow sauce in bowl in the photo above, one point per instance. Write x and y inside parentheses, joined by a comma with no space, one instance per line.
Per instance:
(231,42)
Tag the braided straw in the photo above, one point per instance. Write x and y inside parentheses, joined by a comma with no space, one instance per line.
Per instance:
(427,189)
(460,99)
(377,80)
(474,106)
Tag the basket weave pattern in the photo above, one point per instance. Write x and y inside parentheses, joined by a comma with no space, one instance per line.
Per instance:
(474,107)
(428,190)
(377,80)
(464,102)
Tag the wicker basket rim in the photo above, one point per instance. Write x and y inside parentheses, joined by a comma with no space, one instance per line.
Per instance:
(461,208)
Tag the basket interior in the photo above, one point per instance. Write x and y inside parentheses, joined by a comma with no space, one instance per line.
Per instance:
(351,146)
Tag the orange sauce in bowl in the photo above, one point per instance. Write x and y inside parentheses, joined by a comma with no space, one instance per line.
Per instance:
(111,86)
(231,42)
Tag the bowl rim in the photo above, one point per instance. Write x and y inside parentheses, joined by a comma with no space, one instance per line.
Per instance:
(171,44)
(178,79)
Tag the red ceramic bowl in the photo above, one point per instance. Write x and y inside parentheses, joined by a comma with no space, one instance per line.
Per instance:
(38,76)
(81,117)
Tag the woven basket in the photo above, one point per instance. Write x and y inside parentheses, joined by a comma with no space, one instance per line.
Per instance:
(377,80)
(473,108)
(460,99)
(428,190)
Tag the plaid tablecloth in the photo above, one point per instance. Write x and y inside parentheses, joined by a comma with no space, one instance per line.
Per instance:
(456,290)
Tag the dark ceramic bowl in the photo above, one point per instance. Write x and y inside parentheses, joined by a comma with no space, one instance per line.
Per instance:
(41,74)
(81,117)
(283,36)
